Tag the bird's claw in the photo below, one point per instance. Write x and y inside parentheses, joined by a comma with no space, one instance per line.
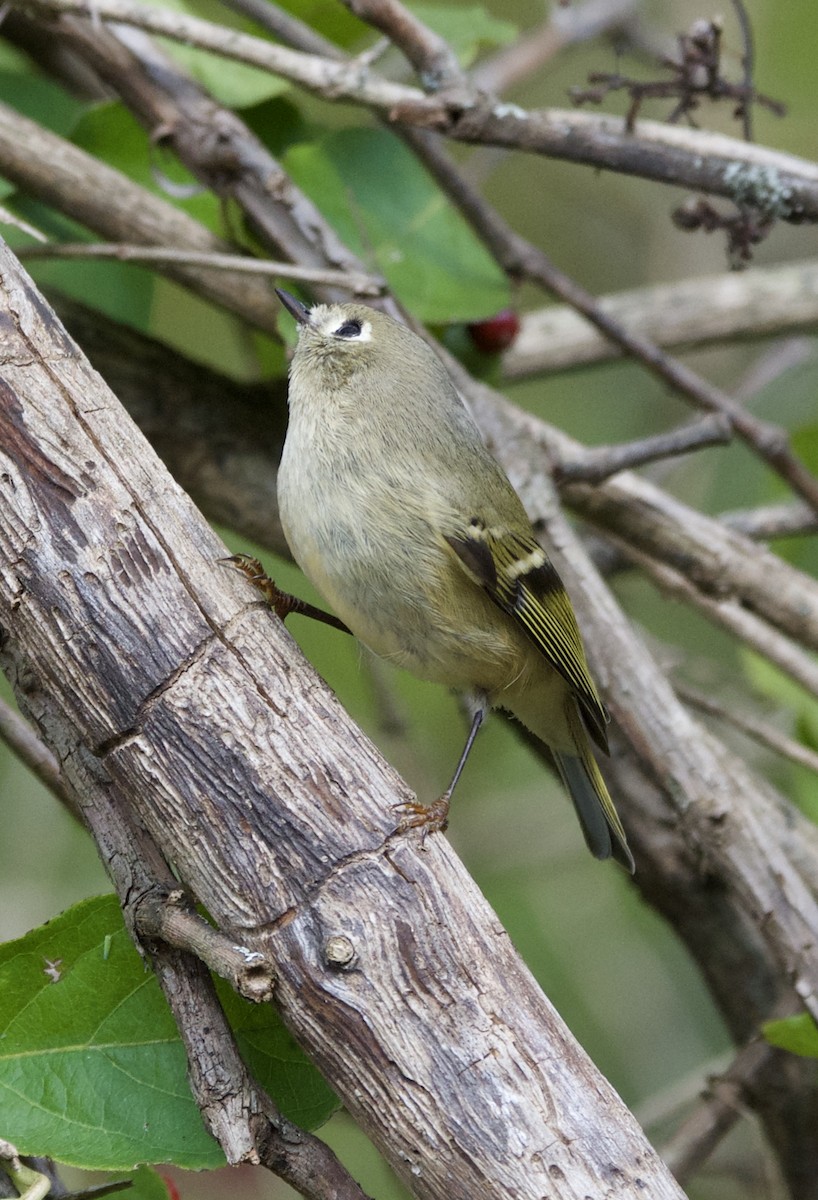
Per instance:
(280,602)
(428,818)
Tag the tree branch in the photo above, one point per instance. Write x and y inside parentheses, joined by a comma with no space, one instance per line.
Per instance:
(431,55)
(238,1113)
(753,727)
(759,302)
(600,462)
(703,162)
(102,198)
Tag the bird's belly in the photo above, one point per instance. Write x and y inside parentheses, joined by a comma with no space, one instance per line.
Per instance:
(410,604)
(441,642)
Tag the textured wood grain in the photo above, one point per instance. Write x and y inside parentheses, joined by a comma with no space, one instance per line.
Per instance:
(273,808)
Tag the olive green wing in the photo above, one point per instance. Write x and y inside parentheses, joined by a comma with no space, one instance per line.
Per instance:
(516,573)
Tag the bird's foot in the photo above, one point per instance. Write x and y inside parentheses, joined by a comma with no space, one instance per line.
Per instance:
(282,603)
(428,818)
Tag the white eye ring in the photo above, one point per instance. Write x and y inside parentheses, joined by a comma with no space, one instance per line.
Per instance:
(350,329)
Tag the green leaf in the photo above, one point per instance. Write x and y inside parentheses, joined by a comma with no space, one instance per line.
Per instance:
(122,290)
(233,84)
(805,440)
(797,1034)
(92,1070)
(780,687)
(387,209)
(333,21)
(39,98)
(279,124)
(277,1063)
(147,1184)
(772,682)
(466,30)
(112,134)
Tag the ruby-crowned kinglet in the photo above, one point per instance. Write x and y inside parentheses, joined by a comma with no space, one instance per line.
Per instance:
(397,512)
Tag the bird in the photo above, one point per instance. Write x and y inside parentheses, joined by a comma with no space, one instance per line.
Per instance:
(397,512)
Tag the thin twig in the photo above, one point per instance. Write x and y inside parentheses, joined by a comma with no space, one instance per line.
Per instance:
(729,615)
(722,1106)
(170,918)
(7,217)
(724,1102)
(362,285)
(600,462)
(285,27)
(771,521)
(697,73)
(745,110)
(763,524)
(752,727)
(430,54)
(745,226)
(564,26)
(24,743)
(775,361)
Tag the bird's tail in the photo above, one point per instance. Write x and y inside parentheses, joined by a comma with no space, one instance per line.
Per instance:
(583,780)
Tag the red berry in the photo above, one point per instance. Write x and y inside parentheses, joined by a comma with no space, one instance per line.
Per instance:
(495,333)
(173,1191)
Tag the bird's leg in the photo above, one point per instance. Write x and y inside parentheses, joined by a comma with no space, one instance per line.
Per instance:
(282,603)
(433,818)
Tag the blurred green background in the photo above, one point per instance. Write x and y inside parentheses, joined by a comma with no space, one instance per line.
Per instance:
(615,972)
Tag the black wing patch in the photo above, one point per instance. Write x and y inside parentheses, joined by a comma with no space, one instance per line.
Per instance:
(518,576)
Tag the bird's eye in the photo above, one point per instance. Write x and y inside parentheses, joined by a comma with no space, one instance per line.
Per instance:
(349,329)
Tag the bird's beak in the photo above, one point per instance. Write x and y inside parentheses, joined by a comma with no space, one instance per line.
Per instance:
(294,307)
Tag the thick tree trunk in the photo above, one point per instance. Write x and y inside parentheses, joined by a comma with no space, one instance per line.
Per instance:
(273,808)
